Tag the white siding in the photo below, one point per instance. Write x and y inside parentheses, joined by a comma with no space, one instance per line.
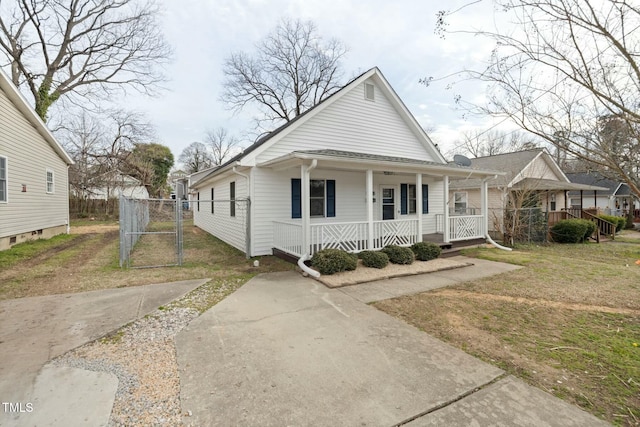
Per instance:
(28,158)
(539,168)
(272,194)
(353,123)
(229,229)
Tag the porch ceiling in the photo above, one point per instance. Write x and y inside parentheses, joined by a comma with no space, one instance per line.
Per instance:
(347,160)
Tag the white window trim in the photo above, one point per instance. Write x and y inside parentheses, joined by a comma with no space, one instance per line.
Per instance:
(53,182)
(373,87)
(324,199)
(6,179)
(466,201)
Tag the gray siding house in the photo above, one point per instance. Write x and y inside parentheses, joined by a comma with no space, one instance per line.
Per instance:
(34,183)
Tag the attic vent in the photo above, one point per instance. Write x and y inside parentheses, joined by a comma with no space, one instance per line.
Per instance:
(369,92)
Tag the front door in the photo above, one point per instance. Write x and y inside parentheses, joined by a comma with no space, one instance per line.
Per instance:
(388,203)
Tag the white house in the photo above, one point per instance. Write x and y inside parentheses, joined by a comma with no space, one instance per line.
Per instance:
(34,184)
(532,179)
(112,185)
(355,172)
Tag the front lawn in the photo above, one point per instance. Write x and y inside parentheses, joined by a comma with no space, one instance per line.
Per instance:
(568,323)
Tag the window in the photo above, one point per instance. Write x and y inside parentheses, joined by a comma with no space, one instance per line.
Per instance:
(322,198)
(50,187)
(369,92)
(409,199)
(460,203)
(198,204)
(3,179)
(316,197)
(232,198)
(212,205)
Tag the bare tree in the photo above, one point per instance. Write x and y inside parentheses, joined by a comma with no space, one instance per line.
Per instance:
(222,144)
(566,66)
(196,157)
(101,147)
(482,143)
(292,70)
(81,47)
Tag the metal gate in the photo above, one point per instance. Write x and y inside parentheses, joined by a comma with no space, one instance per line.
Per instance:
(151,233)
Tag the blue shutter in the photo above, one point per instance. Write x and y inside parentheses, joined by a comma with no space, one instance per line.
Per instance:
(296,198)
(404,200)
(331,197)
(425,199)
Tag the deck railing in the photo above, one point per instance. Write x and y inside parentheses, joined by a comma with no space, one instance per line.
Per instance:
(604,227)
(287,237)
(402,232)
(462,227)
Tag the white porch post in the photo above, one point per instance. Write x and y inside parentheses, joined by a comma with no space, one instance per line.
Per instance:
(445,216)
(484,205)
(305,214)
(369,191)
(419,205)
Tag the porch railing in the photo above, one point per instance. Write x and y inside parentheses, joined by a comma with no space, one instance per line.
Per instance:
(394,232)
(462,227)
(287,237)
(347,236)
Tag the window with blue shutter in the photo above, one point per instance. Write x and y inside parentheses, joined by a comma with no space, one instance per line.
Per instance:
(331,198)
(322,197)
(404,199)
(296,198)
(425,198)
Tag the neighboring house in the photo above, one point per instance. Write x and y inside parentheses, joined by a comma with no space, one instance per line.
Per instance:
(112,185)
(616,199)
(355,172)
(34,183)
(532,179)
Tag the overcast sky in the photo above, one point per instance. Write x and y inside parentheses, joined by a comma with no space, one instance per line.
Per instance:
(398,37)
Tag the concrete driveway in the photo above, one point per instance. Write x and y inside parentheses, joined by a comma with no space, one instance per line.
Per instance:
(38,329)
(285,350)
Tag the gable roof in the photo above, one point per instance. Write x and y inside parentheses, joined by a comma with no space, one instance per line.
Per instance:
(512,164)
(29,113)
(593,178)
(275,135)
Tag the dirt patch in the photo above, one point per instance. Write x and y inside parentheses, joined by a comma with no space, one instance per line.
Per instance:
(364,274)
(93,229)
(541,302)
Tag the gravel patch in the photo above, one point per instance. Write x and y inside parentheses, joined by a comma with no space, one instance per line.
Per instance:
(142,355)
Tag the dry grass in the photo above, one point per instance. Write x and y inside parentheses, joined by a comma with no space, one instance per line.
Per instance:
(89,261)
(568,323)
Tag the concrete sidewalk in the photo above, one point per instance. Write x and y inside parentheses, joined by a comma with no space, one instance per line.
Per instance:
(38,329)
(285,350)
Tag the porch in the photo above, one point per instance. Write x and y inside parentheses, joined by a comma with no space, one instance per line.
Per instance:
(359,236)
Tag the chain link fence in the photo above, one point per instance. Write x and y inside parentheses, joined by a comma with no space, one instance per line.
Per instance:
(525,225)
(151,232)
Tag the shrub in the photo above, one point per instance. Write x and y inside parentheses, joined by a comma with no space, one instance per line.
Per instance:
(398,254)
(374,259)
(426,251)
(619,221)
(591,228)
(570,230)
(330,261)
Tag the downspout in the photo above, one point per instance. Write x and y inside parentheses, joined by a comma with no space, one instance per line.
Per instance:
(248,225)
(68,210)
(305,225)
(485,205)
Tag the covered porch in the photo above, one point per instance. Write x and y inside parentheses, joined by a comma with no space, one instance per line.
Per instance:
(397,201)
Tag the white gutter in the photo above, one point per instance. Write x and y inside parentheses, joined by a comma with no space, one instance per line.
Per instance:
(306,269)
(485,202)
